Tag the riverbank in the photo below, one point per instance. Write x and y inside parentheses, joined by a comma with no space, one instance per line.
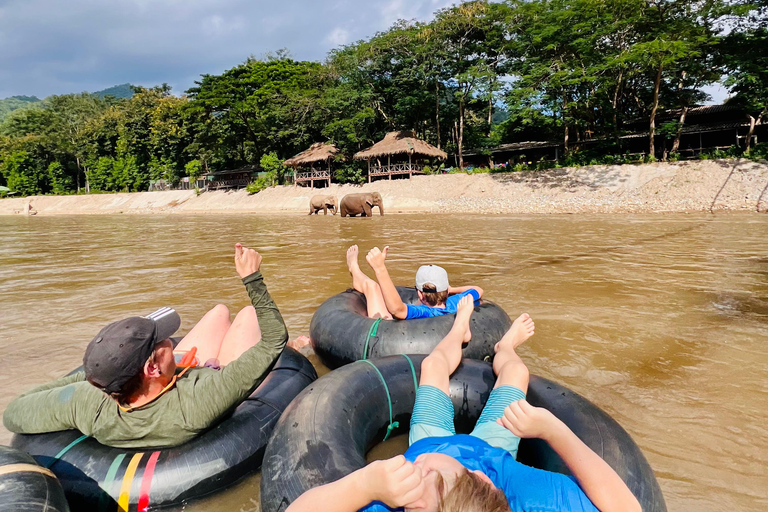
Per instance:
(647,188)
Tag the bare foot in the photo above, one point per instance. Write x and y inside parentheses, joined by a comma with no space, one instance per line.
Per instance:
(464,311)
(522,329)
(299,343)
(358,278)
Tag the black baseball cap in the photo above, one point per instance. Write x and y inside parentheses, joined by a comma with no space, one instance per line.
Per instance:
(119,351)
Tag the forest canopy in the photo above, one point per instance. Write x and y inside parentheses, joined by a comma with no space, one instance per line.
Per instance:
(477,75)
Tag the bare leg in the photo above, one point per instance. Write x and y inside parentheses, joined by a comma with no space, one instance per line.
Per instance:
(242,335)
(437,367)
(377,308)
(509,368)
(207,334)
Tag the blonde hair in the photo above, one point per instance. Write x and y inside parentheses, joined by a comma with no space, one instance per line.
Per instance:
(470,493)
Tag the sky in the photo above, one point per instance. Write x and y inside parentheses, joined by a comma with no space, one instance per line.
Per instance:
(70,46)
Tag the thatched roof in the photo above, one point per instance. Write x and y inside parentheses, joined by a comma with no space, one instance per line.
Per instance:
(317,152)
(403,142)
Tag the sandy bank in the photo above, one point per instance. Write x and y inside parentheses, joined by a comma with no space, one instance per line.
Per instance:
(660,187)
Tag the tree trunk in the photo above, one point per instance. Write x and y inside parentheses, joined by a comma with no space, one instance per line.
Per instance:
(437,111)
(460,141)
(615,103)
(652,131)
(676,143)
(565,123)
(752,123)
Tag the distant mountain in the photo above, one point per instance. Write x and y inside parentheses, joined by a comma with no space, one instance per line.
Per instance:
(8,105)
(122,91)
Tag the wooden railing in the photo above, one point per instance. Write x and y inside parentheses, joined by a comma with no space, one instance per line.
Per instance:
(313,175)
(228,183)
(388,170)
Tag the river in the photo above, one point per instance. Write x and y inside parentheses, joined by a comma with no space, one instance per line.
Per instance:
(661,320)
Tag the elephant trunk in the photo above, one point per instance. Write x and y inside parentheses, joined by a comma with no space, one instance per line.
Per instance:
(381,209)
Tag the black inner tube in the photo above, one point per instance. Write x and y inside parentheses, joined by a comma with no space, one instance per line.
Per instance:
(25,488)
(93,474)
(327,430)
(340,330)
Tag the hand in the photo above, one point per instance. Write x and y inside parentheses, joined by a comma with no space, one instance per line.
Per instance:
(376,258)
(527,421)
(396,482)
(247,261)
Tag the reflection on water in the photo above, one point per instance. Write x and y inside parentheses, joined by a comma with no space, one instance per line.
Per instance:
(660,320)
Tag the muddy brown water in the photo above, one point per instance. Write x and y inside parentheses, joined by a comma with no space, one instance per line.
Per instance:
(661,320)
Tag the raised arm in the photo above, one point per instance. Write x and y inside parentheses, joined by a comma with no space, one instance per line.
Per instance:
(394,482)
(602,485)
(217,392)
(395,304)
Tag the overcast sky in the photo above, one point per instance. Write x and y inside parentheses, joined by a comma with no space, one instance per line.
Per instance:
(68,46)
(64,46)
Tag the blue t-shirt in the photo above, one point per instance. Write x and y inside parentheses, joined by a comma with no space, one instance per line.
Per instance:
(423,311)
(526,488)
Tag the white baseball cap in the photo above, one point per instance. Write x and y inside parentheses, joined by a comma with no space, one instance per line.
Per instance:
(434,275)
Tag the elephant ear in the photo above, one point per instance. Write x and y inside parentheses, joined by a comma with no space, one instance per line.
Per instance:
(369,202)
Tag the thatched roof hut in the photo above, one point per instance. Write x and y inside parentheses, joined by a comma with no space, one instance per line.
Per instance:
(317,152)
(402,142)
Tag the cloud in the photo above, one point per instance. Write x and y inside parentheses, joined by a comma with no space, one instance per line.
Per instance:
(55,47)
(337,37)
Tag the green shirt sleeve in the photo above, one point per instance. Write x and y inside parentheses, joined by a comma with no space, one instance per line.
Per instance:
(66,403)
(217,392)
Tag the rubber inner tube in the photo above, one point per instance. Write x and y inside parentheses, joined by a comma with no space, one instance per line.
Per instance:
(98,477)
(27,487)
(341,331)
(327,430)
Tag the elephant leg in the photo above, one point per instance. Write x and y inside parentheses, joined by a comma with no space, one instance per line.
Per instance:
(368,210)
(325,210)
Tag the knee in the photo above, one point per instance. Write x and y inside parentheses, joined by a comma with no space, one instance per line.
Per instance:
(248,312)
(514,370)
(220,310)
(431,365)
(371,286)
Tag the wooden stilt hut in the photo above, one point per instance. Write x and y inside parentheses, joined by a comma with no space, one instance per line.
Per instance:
(405,154)
(315,163)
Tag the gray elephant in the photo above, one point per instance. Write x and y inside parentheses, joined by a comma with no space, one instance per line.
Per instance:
(324,203)
(357,204)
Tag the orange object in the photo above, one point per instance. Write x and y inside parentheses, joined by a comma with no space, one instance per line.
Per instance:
(189,358)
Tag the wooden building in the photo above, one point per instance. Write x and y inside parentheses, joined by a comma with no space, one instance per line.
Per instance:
(706,128)
(405,154)
(314,164)
(235,178)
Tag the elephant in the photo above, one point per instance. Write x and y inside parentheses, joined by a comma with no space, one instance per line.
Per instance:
(356,204)
(324,203)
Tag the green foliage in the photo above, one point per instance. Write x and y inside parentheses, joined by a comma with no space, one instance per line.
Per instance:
(350,172)
(194,170)
(13,103)
(59,178)
(22,174)
(273,166)
(759,153)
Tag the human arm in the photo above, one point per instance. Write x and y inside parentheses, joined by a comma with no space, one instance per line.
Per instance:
(394,482)
(54,406)
(376,259)
(217,392)
(601,484)
(453,290)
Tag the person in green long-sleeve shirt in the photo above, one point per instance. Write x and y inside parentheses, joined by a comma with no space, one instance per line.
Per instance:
(130,394)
